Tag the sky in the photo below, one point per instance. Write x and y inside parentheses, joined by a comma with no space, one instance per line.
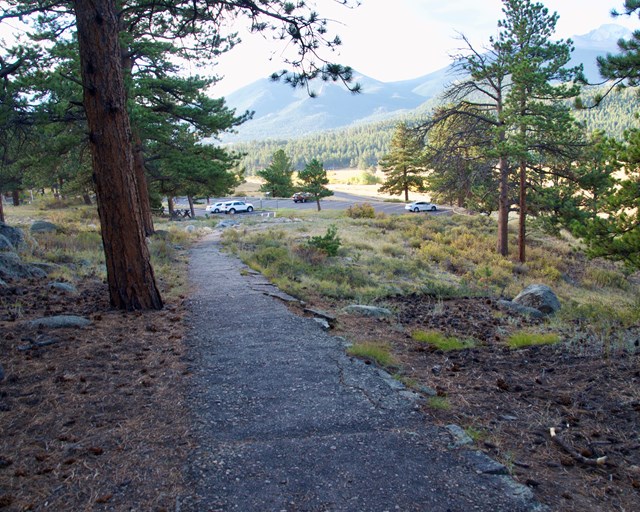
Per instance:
(404,39)
(393,40)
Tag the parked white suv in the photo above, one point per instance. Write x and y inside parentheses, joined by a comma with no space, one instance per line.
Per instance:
(236,206)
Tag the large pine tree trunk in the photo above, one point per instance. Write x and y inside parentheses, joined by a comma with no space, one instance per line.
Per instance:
(130,276)
(15,195)
(523,213)
(503,208)
(143,189)
(1,208)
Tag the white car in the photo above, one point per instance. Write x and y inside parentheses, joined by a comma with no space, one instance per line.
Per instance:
(214,208)
(421,206)
(236,206)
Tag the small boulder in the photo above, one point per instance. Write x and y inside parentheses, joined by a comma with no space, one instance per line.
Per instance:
(371,311)
(540,297)
(14,235)
(517,308)
(55,322)
(42,226)
(63,287)
(6,245)
(11,267)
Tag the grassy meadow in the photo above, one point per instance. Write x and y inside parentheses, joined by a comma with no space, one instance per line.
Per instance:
(382,257)
(75,252)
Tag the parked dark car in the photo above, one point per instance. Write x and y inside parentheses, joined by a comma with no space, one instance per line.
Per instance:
(301,197)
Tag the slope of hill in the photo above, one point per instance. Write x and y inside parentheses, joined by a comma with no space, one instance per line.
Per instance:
(284,113)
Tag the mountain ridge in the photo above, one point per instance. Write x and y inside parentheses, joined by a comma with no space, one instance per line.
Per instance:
(282,113)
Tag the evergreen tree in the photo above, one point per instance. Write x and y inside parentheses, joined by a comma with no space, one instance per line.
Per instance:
(99,23)
(624,67)
(459,172)
(278,176)
(612,228)
(536,111)
(314,180)
(403,165)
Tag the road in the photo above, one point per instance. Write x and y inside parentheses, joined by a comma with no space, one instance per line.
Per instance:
(339,201)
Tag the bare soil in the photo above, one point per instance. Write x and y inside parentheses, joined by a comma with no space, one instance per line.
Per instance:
(91,418)
(508,400)
(94,418)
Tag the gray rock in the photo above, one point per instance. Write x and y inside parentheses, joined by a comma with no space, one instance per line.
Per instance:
(6,245)
(426,390)
(43,226)
(227,224)
(14,235)
(190,228)
(517,308)
(329,318)
(63,287)
(11,267)
(460,437)
(322,323)
(55,322)
(540,297)
(485,465)
(3,284)
(372,311)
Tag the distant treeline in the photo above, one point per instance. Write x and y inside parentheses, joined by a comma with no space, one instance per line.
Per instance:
(363,145)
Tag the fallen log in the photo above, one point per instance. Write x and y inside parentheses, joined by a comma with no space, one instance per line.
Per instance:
(600,461)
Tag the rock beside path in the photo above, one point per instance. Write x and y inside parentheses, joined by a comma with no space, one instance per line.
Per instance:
(540,297)
(59,321)
(371,311)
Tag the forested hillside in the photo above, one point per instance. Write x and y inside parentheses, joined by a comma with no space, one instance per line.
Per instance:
(363,145)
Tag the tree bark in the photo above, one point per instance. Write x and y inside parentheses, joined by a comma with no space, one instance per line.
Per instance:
(130,277)
(192,210)
(143,188)
(523,213)
(87,199)
(1,208)
(503,207)
(15,195)
(318,202)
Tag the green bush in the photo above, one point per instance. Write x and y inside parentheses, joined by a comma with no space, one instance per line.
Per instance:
(441,342)
(329,242)
(379,353)
(361,211)
(524,339)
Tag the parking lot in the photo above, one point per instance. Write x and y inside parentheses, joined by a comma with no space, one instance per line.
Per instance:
(339,201)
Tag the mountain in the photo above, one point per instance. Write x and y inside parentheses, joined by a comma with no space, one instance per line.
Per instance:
(284,113)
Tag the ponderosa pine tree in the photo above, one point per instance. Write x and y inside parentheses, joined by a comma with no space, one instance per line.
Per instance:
(403,165)
(615,231)
(278,176)
(459,171)
(203,24)
(536,111)
(315,180)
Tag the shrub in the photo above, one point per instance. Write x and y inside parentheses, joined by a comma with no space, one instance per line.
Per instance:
(604,278)
(311,255)
(378,353)
(329,242)
(442,342)
(527,339)
(361,211)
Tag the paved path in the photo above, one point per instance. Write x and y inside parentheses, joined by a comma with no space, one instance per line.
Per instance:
(286,421)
